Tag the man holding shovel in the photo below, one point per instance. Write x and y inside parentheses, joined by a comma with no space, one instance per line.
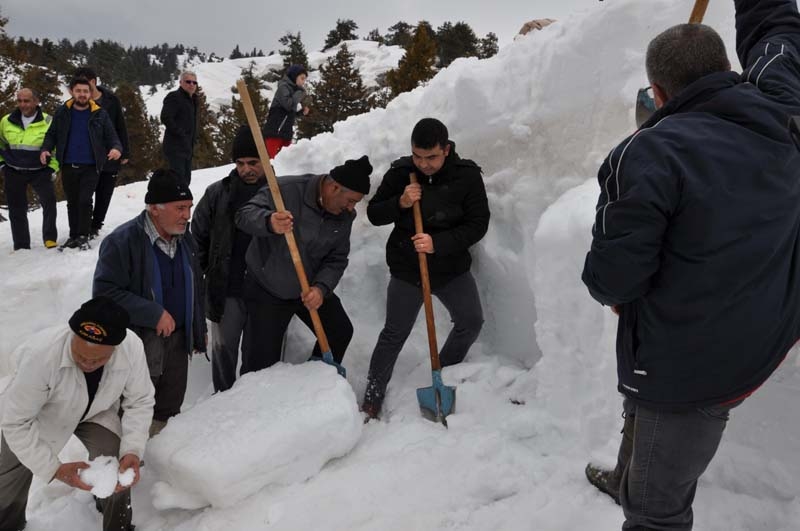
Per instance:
(455,214)
(320,210)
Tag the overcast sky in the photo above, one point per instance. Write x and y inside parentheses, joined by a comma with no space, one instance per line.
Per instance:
(218,25)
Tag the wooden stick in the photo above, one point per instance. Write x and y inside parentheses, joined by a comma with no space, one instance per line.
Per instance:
(698,12)
(252,121)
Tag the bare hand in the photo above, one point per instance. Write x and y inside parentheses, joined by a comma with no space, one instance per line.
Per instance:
(306,110)
(166,325)
(281,222)
(411,194)
(114,154)
(423,243)
(128,461)
(69,473)
(615,309)
(312,299)
(43,156)
(125,161)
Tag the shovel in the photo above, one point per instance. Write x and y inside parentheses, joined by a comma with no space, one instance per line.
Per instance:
(252,121)
(438,400)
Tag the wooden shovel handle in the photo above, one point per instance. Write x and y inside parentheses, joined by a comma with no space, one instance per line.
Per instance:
(698,12)
(255,129)
(426,286)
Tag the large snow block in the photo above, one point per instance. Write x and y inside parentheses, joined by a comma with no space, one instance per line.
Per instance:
(275,426)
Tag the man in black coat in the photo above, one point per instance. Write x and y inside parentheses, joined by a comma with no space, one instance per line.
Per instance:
(109,102)
(696,245)
(221,248)
(179,116)
(83,140)
(455,216)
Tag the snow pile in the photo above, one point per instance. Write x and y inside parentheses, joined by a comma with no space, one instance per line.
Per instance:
(277,426)
(103,475)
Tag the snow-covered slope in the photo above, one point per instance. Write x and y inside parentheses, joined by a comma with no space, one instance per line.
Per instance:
(536,397)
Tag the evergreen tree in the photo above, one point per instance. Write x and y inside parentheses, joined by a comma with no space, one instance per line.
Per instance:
(454,41)
(488,46)
(399,35)
(233,115)
(340,93)
(45,83)
(375,36)
(416,66)
(206,154)
(143,135)
(236,53)
(294,51)
(344,31)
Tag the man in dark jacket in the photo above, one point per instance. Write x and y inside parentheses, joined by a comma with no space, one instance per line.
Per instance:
(696,246)
(179,116)
(109,102)
(21,135)
(455,216)
(84,140)
(221,249)
(288,101)
(149,266)
(321,210)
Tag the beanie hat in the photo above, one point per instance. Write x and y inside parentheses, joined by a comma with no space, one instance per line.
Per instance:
(353,174)
(243,144)
(101,321)
(165,187)
(295,70)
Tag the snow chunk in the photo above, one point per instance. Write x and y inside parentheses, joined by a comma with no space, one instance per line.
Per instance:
(103,475)
(276,426)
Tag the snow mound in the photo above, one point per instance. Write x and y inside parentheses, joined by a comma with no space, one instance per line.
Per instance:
(276,426)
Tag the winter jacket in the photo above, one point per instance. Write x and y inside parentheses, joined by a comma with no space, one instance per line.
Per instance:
(19,147)
(214,230)
(179,116)
(283,110)
(697,234)
(323,239)
(455,212)
(126,271)
(111,104)
(48,396)
(101,134)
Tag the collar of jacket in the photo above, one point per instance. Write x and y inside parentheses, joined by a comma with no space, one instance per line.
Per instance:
(696,94)
(15,117)
(115,363)
(192,97)
(92,105)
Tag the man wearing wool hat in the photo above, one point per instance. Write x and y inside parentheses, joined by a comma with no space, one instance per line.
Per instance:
(75,379)
(149,266)
(320,209)
(221,248)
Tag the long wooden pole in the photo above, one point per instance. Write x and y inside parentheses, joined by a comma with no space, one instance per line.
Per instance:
(255,129)
(698,12)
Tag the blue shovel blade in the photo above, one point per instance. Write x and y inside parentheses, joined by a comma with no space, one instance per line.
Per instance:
(327,357)
(437,401)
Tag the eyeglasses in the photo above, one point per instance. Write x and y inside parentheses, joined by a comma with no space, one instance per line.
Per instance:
(189,82)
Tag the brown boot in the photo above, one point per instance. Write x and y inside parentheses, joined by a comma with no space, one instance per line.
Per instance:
(156,426)
(605,480)
(371,411)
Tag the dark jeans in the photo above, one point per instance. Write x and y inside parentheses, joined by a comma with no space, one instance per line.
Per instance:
(168,362)
(226,336)
(182,166)
(403,302)
(16,187)
(661,458)
(270,316)
(102,198)
(80,183)
(15,482)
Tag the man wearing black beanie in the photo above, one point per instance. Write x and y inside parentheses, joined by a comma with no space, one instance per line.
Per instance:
(221,248)
(75,380)
(320,209)
(149,266)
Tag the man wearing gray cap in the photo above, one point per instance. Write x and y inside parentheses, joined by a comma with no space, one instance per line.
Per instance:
(320,209)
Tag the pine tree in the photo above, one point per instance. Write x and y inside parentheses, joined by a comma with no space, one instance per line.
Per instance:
(233,115)
(399,35)
(454,41)
(375,36)
(340,93)
(344,31)
(416,65)
(143,136)
(236,53)
(206,154)
(488,46)
(294,51)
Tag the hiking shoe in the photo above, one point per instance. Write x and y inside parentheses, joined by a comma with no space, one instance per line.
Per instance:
(604,480)
(371,411)
(50,244)
(83,243)
(71,243)
(94,233)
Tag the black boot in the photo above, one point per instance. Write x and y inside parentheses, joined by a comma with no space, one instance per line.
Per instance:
(606,481)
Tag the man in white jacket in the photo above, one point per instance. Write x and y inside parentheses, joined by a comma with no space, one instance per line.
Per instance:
(75,380)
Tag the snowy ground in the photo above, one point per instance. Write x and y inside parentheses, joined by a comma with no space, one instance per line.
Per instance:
(536,397)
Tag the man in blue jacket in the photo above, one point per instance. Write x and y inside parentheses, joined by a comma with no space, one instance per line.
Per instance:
(696,247)
(149,266)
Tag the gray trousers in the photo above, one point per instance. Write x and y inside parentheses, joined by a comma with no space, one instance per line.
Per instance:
(226,336)
(15,481)
(403,302)
(661,458)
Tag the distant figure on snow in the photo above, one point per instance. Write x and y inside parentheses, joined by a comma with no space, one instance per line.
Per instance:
(179,116)
(288,101)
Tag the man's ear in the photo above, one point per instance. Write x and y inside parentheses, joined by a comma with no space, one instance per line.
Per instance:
(447,149)
(659,95)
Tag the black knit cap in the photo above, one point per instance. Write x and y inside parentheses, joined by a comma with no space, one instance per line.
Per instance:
(101,321)
(353,174)
(243,144)
(166,186)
